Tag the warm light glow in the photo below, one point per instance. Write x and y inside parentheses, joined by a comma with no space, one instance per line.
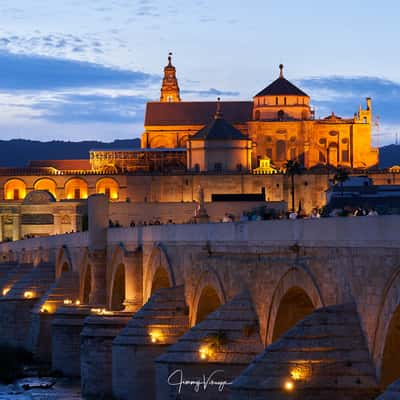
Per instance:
(28,295)
(205,352)
(44,310)
(5,291)
(109,187)
(14,189)
(77,303)
(288,386)
(101,311)
(46,184)
(67,301)
(296,375)
(76,189)
(155,336)
(300,372)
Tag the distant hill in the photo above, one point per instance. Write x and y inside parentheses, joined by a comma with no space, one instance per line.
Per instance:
(18,152)
(389,155)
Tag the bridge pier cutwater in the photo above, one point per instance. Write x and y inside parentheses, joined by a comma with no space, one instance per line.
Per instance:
(285,309)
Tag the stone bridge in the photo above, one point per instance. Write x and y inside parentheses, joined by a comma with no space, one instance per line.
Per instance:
(302,309)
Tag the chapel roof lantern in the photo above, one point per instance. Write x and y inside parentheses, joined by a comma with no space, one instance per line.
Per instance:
(219,129)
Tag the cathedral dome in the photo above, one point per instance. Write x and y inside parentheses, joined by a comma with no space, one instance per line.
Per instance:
(39,197)
(281,100)
(281,87)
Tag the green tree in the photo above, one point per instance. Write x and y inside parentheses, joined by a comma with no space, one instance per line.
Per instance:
(292,168)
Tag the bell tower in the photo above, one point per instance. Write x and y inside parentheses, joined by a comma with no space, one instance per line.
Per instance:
(169,88)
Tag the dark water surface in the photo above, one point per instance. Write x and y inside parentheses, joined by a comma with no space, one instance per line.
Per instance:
(63,389)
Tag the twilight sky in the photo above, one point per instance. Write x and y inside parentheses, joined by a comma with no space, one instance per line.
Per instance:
(75,70)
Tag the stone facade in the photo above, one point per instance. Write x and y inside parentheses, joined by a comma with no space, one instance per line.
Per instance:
(288,268)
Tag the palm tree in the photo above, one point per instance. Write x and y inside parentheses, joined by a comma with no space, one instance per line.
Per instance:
(292,168)
(341,177)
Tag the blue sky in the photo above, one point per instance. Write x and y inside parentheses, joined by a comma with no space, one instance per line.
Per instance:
(77,70)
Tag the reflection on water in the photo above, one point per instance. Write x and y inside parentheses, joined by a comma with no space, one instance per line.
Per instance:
(62,389)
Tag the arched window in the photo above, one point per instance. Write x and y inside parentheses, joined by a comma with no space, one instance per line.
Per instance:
(14,189)
(257,115)
(46,184)
(284,101)
(109,187)
(280,150)
(75,189)
(276,101)
(281,114)
(293,153)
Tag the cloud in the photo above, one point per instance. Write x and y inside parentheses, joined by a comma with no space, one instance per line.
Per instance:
(55,45)
(91,108)
(344,94)
(29,72)
(210,92)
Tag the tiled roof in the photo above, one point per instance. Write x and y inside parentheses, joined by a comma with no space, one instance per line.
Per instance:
(196,112)
(219,129)
(62,164)
(281,86)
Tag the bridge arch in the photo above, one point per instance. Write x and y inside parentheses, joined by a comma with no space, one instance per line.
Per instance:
(297,291)
(208,296)
(85,278)
(158,272)
(86,284)
(63,261)
(117,288)
(386,344)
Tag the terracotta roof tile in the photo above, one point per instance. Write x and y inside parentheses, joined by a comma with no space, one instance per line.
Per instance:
(62,164)
(281,86)
(196,112)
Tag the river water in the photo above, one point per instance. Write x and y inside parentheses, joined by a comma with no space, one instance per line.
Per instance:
(63,389)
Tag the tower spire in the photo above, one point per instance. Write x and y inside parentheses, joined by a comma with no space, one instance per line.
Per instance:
(281,71)
(218,113)
(170,88)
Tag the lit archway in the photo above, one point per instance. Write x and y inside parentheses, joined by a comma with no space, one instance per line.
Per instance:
(75,189)
(87,284)
(390,367)
(109,187)
(46,184)
(160,280)
(209,301)
(295,305)
(14,189)
(64,268)
(296,281)
(118,289)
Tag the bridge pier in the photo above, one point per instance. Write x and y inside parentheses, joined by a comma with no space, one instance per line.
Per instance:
(324,355)
(66,339)
(216,349)
(158,324)
(96,352)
